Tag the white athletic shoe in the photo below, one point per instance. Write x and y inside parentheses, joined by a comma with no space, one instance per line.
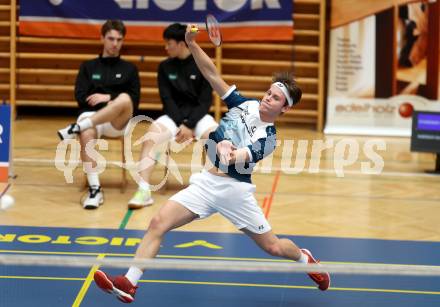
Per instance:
(140,199)
(93,199)
(70,132)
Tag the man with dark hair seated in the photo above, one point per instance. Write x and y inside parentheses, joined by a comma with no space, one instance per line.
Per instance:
(107,90)
(186,98)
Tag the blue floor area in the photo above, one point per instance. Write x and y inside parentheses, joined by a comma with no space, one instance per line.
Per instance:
(55,286)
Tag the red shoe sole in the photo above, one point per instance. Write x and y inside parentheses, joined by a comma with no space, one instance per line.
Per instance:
(105,284)
(320,286)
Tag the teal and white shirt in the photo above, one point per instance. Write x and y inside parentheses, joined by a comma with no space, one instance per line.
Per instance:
(243,127)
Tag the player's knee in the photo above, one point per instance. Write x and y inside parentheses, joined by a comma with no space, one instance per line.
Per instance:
(122,103)
(87,135)
(273,249)
(157,225)
(123,99)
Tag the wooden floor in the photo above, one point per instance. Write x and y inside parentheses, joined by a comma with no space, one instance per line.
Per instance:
(400,203)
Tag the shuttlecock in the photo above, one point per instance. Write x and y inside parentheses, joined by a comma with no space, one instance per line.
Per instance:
(6,202)
(56,2)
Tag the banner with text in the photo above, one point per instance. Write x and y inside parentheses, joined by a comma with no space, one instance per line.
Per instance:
(375,116)
(353,103)
(241,20)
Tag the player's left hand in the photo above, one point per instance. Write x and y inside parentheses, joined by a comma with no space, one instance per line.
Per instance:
(225,149)
(191,33)
(184,134)
(95,99)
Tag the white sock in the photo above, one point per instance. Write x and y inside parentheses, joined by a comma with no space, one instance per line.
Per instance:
(93,179)
(133,275)
(144,186)
(85,123)
(303,259)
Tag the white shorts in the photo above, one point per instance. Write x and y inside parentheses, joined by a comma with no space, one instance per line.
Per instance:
(105,129)
(202,125)
(208,194)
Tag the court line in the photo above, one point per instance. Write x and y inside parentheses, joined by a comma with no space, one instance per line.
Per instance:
(328,195)
(5,189)
(73,186)
(419,200)
(86,285)
(209,283)
(126,219)
(42,278)
(115,163)
(267,205)
(235,284)
(390,158)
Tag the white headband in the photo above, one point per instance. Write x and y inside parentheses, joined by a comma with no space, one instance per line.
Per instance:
(283,88)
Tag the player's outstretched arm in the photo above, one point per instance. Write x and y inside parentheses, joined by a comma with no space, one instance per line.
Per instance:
(204,63)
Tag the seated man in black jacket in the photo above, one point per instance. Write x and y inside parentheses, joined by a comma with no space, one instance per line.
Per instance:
(107,90)
(186,98)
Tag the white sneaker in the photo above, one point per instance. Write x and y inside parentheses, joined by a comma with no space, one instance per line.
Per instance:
(93,199)
(140,199)
(70,132)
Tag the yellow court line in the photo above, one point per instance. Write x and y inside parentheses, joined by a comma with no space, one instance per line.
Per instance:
(86,284)
(209,283)
(42,278)
(196,257)
(229,284)
(49,252)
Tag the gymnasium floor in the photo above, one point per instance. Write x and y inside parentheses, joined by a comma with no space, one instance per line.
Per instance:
(48,286)
(389,218)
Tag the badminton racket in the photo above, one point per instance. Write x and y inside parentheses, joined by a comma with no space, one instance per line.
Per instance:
(213,29)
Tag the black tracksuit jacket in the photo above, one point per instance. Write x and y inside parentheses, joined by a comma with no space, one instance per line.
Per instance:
(109,75)
(185,93)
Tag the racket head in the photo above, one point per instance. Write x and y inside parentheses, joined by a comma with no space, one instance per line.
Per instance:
(213,29)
